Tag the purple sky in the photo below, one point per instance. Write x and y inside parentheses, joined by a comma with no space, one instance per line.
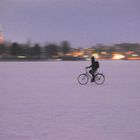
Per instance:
(82,22)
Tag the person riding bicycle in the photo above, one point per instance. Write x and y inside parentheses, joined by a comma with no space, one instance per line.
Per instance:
(94,66)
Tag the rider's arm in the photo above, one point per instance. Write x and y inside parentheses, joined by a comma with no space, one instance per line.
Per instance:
(88,67)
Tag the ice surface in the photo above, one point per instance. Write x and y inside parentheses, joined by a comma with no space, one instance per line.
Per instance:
(43,101)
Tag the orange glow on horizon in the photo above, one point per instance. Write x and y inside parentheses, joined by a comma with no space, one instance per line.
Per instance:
(1,39)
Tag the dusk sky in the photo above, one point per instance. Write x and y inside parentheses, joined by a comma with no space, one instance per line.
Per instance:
(81,22)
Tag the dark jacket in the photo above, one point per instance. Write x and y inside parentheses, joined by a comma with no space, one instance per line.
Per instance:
(94,65)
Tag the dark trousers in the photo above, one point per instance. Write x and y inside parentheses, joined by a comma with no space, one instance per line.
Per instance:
(92,72)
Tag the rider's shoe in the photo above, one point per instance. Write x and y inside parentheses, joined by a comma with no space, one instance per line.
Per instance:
(92,80)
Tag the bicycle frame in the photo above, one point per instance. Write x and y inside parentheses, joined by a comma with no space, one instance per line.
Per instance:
(88,74)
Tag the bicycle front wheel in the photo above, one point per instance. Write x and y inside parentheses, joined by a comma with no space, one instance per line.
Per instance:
(83,79)
(99,78)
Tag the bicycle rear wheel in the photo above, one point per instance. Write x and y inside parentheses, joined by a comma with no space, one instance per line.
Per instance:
(99,78)
(83,79)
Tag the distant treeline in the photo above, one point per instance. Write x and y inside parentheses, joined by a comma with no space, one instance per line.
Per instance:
(27,50)
(36,51)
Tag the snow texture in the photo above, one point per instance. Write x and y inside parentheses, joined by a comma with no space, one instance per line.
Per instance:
(43,101)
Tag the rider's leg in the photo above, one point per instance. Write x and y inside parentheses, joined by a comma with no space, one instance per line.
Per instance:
(93,75)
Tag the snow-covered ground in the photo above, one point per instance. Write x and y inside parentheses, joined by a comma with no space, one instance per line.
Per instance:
(43,101)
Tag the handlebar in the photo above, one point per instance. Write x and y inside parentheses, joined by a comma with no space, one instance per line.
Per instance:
(86,67)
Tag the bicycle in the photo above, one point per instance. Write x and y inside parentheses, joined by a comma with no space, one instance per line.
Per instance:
(84,78)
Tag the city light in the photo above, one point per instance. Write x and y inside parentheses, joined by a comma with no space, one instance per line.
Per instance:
(1,39)
(118,56)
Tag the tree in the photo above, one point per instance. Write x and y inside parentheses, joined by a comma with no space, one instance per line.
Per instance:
(3,49)
(51,50)
(65,47)
(15,49)
(36,50)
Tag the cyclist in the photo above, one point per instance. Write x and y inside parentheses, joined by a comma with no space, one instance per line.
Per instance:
(94,66)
